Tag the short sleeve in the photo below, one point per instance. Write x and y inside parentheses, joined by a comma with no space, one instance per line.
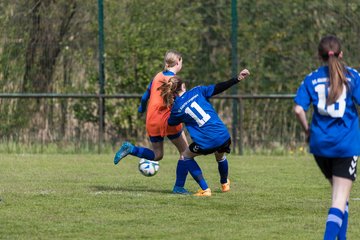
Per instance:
(302,97)
(356,86)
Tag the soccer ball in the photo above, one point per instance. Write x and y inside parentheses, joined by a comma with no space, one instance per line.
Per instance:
(148,168)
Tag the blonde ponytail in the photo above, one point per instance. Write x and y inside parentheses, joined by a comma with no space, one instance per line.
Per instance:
(171,59)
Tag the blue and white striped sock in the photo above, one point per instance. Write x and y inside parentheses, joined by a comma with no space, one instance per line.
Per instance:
(333,223)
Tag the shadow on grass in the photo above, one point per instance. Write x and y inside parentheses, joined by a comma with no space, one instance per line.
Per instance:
(104,188)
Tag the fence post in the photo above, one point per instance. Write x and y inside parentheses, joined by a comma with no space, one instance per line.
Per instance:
(241,118)
(101,74)
(234,25)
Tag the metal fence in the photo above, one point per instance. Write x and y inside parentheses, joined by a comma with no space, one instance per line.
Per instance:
(60,47)
(264,122)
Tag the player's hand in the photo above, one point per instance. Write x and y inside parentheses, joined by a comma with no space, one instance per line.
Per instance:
(243,74)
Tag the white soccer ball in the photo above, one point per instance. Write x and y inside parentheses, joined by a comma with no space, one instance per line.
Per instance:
(148,168)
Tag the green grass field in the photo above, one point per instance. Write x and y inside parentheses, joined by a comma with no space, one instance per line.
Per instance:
(87,197)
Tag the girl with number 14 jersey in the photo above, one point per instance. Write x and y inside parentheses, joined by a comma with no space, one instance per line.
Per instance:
(335,127)
(334,135)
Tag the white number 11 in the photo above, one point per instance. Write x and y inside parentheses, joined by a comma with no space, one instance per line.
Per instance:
(204,115)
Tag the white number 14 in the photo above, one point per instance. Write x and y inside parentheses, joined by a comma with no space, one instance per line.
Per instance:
(335,110)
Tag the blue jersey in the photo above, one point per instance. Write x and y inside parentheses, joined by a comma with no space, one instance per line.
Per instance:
(334,130)
(200,118)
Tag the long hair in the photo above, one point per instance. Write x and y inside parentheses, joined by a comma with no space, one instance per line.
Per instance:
(169,89)
(329,50)
(171,58)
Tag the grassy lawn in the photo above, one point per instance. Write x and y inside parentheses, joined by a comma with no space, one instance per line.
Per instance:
(86,197)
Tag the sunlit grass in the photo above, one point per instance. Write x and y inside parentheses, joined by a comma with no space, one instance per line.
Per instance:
(54,196)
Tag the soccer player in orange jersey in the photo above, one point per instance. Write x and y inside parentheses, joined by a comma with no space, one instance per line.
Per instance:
(157,123)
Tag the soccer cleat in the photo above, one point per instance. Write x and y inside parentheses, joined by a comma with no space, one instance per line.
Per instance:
(203,193)
(125,149)
(225,187)
(180,190)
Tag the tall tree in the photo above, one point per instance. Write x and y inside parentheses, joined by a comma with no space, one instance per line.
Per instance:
(50,21)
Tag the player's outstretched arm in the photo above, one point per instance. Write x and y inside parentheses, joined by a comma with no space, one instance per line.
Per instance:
(220,87)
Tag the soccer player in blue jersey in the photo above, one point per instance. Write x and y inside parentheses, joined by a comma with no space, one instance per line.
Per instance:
(208,132)
(334,134)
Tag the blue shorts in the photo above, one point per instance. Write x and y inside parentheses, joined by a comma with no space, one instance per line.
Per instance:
(161,139)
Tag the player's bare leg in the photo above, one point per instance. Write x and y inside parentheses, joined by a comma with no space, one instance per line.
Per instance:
(341,188)
(181,144)
(158,148)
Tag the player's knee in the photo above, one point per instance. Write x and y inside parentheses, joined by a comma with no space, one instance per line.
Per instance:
(158,157)
(220,158)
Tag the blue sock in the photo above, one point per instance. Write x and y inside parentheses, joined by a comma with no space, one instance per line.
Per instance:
(195,172)
(181,173)
(342,233)
(142,152)
(223,170)
(333,224)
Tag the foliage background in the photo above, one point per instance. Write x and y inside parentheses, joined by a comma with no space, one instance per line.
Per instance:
(52,46)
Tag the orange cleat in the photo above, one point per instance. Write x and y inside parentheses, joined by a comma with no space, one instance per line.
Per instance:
(203,193)
(226,186)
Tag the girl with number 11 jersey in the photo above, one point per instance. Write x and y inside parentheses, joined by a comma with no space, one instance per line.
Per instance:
(200,118)
(208,132)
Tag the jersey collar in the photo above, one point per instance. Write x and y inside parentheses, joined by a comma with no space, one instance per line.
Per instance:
(168,73)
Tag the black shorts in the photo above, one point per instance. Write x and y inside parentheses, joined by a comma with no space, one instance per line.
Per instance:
(225,147)
(339,167)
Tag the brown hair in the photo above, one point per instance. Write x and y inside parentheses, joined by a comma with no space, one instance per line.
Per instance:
(171,58)
(169,89)
(329,50)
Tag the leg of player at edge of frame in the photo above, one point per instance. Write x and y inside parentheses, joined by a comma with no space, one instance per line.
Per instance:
(341,188)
